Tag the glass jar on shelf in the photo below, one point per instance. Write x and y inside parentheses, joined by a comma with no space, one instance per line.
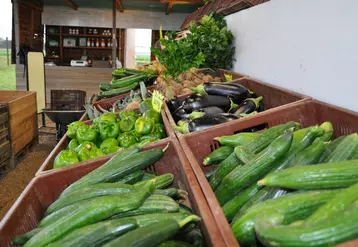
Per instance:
(90,31)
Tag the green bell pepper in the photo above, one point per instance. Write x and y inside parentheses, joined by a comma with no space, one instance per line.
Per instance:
(127,139)
(87,133)
(73,145)
(145,105)
(159,130)
(108,117)
(144,126)
(153,115)
(72,129)
(127,123)
(108,130)
(109,146)
(88,150)
(125,114)
(65,158)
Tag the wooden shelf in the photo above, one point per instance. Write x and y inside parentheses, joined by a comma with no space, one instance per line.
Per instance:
(52,34)
(53,57)
(88,35)
(84,47)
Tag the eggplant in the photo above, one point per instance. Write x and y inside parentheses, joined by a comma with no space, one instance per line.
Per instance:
(237,92)
(191,98)
(212,110)
(248,106)
(204,101)
(180,114)
(173,104)
(201,123)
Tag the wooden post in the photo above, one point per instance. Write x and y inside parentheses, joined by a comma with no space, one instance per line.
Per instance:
(7,51)
(114,35)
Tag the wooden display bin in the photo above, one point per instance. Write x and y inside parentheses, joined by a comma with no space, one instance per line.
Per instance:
(22,112)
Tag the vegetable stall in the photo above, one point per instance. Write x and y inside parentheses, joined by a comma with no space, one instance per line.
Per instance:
(183,152)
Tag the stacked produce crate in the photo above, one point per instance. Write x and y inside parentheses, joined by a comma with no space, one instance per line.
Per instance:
(6,157)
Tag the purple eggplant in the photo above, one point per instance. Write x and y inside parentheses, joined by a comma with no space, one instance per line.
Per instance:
(201,123)
(179,114)
(173,104)
(204,101)
(248,106)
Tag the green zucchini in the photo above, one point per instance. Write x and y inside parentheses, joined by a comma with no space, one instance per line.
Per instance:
(173,243)
(294,206)
(148,176)
(322,176)
(344,150)
(103,189)
(131,178)
(218,155)
(153,204)
(224,168)
(242,177)
(117,91)
(101,208)
(272,231)
(114,169)
(338,204)
(151,235)
(96,235)
(237,139)
(127,81)
(22,239)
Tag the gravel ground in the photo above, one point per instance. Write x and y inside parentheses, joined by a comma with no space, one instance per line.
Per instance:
(15,181)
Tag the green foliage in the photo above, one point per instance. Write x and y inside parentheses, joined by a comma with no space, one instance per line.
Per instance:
(208,45)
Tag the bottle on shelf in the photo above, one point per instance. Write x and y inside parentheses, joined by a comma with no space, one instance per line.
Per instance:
(97,42)
(103,43)
(109,43)
(92,43)
(88,42)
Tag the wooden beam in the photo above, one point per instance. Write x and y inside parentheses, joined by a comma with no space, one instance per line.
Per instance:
(114,33)
(119,5)
(169,8)
(72,5)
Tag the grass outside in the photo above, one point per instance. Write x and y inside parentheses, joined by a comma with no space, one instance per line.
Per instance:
(142,58)
(7,73)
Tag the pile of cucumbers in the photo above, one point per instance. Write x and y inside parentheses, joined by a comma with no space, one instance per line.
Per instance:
(124,80)
(287,186)
(118,204)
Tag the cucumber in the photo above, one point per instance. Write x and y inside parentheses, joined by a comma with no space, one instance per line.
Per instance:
(101,208)
(105,87)
(153,204)
(218,155)
(243,154)
(259,143)
(224,168)
(193,237)
(322,176)
(299,134)
(114,169)
(237,139)
(209,174)
(310,155)
(344,150)
(232,207)
(151,235)
(327,127)
(89,192)
(117,91)
(148,176)
(272,231)
(147,219)
(173,243)
(329,149)
(338,204)
(172,192)
(131,178)
(242,177)
(163,181)
(294,206)
(127,81)
(22,239)
(355,155)
(96,235)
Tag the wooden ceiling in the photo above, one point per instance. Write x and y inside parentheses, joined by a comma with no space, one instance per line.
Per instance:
(166,6)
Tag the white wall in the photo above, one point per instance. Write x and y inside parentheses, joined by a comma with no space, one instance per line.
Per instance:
(129,56)
(309,46)
(103,18)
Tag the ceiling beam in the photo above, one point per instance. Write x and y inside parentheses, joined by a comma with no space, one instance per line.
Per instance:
(169,8)
(182,1)
(72,5)
(119,5)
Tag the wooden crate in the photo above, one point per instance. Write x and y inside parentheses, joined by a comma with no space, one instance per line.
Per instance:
(6,157)
(22,110)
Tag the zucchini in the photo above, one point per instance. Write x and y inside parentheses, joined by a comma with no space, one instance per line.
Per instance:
(218,155)
(237,139)
(344,150)
(272,231)
(114,169)
(127,81)
(101,208)
(294,206)
(96,235)
(173,243)
(242,177)
(131,178)
(322,176)
(151,235)
(89,192)
(117,91)
(337,205)
(153,204)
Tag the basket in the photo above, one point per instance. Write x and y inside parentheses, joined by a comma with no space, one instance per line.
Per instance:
(274,98)
(47,165)
(199,144)
(71,100)
(43,190)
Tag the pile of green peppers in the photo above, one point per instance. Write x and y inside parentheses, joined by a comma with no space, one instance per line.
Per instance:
(108,134)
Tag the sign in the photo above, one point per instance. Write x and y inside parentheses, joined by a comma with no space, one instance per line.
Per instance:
(157,101)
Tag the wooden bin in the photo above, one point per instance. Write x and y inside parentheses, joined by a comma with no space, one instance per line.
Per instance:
(199,144)
(29,208)
(22,110)
(47,165)
(274,98)
(6,157)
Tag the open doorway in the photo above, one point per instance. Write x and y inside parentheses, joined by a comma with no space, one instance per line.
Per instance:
(138,44)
